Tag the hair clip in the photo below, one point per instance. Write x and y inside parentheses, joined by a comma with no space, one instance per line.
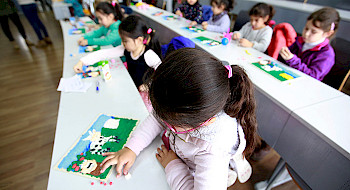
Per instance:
(332,26)
(113,3)
(145,41)
(149,30)
(229,68)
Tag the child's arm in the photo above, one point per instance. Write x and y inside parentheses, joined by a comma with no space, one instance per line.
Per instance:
(96,33)
(103,54)
(152,59)
(108,39)
(263,40)
(222,25)
(210,173)
(318,68)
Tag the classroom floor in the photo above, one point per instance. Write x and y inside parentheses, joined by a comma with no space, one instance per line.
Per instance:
(29,105)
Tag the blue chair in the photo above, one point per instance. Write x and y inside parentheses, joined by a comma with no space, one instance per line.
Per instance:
(207,12)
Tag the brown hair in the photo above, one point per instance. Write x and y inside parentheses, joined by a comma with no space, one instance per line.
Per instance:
(262,10)
(228,4)
(324,18)
(191,86)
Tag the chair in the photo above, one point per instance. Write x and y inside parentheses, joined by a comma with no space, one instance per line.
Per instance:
(242,18)
(340,71)
(207,12)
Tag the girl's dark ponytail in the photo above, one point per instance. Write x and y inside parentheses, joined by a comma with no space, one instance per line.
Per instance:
(108,8)
(272,13)
(241,105)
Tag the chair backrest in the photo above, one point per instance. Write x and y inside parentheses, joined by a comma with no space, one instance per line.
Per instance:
(336,75)
(242,18)
(207,12)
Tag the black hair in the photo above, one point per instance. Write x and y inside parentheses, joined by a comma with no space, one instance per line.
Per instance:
(325,16)
(191,86)
(134,26)
(262,10)
(108,8)
(228,4)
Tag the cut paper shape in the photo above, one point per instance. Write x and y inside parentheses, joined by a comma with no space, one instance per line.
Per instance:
(73,84)
(170,17)
(75,31)
(106,134)
(206,41)
(158,13)
(277,71)
(193,29)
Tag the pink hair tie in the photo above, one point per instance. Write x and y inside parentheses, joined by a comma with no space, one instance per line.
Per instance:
(332,26)
(149,30)
(113,3)
(229,68)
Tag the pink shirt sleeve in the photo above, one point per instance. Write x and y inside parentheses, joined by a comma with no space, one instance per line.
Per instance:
(144,134)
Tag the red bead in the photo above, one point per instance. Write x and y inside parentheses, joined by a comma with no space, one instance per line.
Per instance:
(92,183)
(105,184)
(110,183)
(101,182)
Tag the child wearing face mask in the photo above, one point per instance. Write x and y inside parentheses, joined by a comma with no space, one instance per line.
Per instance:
(109,16)
(311,53)
(220,21)
(257,33)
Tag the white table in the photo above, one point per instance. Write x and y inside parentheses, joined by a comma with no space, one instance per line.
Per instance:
(280,101)
(77,111)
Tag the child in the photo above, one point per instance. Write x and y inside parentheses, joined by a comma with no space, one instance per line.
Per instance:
(312,53)
(109,17)
(257,33)
(30,10)
(191,10)
(204,108)
(140,48)
(220,21)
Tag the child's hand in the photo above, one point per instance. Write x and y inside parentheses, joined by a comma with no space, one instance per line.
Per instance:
(286,54)
(78,68)
(245,43)
(80,39)
(165,156)
(178,12)
(204,25)
(83,42)
(236,36)
(193,23)
(123,157)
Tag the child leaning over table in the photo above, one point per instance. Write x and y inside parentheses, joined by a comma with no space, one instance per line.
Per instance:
(220,21)
(191,10)
(257,33)
(208,123)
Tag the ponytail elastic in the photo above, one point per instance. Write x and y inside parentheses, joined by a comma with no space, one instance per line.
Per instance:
(229,68)
(113,3)
(149,31)
(332,26)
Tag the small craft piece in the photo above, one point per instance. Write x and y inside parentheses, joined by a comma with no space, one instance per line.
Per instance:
(106,134)
(193,29)
(76,31)
(170,17)
(207,41)
(87,49)
(158,13)
(276,70)
(227,37)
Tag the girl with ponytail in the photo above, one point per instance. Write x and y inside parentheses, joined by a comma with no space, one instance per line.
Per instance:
(109,16)
(140,48)
(206,112)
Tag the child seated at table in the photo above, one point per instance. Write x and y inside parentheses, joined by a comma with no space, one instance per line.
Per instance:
(140,48)
(191,10)
(257,33)
(109,16)
(220,21)
(311,53)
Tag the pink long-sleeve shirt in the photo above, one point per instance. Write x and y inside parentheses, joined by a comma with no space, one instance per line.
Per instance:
(205,154)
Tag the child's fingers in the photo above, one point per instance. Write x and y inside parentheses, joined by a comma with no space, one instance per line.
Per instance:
(127,167)
(107,164)
(108,153)
(160,152)
(106,159)
(119,168)
(165,150)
